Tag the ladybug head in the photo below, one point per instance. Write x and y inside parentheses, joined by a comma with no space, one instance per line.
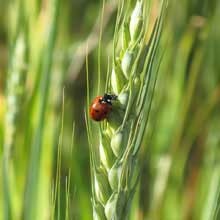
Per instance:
(107,98)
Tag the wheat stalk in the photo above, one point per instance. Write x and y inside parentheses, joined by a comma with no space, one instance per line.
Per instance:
(16,78)
(115,162)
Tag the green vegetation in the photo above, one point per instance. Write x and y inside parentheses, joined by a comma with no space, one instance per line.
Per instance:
(157,155)
(114,163)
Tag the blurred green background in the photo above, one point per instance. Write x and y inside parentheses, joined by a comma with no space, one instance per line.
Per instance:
(43,142)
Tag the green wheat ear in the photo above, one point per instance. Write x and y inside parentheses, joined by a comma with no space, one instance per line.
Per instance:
(114,162)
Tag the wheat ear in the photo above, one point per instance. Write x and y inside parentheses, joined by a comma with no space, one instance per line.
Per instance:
(114,163)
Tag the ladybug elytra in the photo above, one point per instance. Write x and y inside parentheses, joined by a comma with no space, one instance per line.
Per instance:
(101,107)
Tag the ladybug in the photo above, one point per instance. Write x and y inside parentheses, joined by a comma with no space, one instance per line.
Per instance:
(101,107)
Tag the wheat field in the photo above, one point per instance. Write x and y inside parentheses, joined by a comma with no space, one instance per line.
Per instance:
(155,156)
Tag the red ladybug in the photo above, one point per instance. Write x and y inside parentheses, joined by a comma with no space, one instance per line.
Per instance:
(101,107)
